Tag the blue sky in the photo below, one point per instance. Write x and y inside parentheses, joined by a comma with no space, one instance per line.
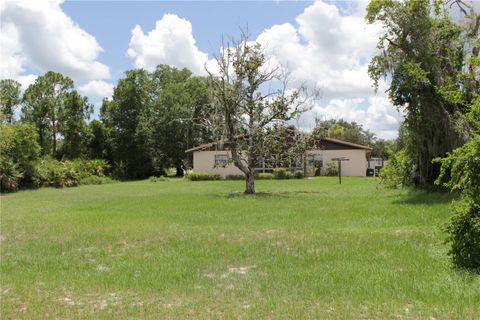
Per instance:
(325,44)
(111,22)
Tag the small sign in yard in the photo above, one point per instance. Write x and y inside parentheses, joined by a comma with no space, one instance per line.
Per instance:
(339,160)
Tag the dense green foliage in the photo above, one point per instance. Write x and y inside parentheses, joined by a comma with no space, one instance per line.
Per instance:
(464,235)
(433,65)
(265,176)
(152,119)
(460,172)
(143,130)
(10,99)
(280,173)
(51,172)
(158,179)
(19,152)
(398,171)
(202,176)
(331,169)
(54,108)
(355,133)
(235,177)
(21,165)
(300,249)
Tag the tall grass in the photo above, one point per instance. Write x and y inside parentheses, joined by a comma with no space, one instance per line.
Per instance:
(299,249)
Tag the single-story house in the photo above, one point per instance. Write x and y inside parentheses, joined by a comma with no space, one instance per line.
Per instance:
(214,157)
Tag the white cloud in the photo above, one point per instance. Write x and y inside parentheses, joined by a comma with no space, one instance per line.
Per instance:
(39,35)
(170,42)
(330,50)
(375,113)
(97,88)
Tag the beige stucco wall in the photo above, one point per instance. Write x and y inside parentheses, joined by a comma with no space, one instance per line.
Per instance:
(356,166)
(204,161)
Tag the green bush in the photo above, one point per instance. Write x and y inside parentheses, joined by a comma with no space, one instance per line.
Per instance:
(331,169)
(265,176)
(51,172)
(96,167)
(398,172)
(235,177)
(464,235)
(298,174)
(289,175)
(9,176)
(202,176)
(19,152)
(460,171)
(158,179)
(280,173)
(96,180)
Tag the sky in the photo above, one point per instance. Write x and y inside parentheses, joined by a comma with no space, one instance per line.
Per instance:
(324,44)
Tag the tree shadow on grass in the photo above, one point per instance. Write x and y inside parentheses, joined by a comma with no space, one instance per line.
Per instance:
(420,197)
(281,194)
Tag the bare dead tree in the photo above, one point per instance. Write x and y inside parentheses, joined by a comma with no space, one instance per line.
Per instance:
(249,95)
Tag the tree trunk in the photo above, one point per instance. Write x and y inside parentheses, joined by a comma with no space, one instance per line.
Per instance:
(179,169)
(250,183)
(54,137)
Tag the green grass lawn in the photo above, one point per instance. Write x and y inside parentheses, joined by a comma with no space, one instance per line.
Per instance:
(179,249)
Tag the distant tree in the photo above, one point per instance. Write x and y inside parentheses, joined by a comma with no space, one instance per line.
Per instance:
(10,99)
(96,141)
(336,131)
(44,103)
(72,125)
(381,148)
(173,124)
(245,104)
(344,130)
(131,98)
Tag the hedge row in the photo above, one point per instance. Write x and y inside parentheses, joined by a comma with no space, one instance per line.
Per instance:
(202,176)
(278,173)
(50,172)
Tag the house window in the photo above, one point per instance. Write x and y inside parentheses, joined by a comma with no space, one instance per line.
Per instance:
(318,160)
(221,160)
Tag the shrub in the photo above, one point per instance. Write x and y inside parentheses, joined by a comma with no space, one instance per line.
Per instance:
(464,235)
(170,172)
(235,177)
(460,171)
(289,175)
(158,179)
(398,172)
(51,172)
(19,152)
(331,169)
(279,173)
(298,174)
(9,175)
(96,167)
(265,176)
(202,176)
(96,180)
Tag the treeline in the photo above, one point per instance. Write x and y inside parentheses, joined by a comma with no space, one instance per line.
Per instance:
(144,129)
(152,118)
